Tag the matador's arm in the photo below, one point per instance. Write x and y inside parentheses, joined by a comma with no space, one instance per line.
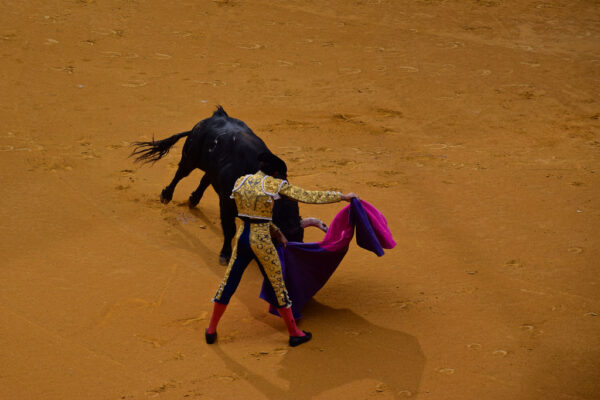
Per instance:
(277,234)
(309,196)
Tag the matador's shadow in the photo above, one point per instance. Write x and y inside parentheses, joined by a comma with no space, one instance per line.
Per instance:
(346,348)
(344,342)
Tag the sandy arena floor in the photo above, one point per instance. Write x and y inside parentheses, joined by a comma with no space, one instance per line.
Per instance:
(472,125)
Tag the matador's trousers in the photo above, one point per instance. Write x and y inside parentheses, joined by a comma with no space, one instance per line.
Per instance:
(253,241)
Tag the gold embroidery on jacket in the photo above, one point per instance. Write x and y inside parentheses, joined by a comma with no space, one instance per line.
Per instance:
(254,197)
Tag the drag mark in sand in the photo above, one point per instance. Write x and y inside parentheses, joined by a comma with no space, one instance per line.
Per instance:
(188,321)
(48,333)
(152,305)
(154,342)
(159,300)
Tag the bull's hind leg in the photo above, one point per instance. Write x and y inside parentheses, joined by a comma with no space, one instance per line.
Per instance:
(183,170)
(198,193)
(228,213)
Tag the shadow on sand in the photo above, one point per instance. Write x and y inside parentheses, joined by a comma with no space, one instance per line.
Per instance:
(346,348)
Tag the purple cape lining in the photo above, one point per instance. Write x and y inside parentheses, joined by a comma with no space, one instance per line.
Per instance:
(307,267)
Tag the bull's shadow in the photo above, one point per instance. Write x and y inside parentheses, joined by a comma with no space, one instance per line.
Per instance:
(350,346)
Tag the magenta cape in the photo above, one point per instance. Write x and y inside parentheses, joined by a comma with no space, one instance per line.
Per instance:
(306,267)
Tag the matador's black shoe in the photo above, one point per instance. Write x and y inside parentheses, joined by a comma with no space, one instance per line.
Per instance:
(210,337)
(298,340)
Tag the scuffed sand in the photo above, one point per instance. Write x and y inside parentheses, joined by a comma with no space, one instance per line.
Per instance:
(472,125)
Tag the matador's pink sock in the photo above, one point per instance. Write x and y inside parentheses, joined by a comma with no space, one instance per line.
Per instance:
(218,310)
(290,322)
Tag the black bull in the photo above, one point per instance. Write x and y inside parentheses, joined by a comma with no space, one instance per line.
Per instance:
(224,148)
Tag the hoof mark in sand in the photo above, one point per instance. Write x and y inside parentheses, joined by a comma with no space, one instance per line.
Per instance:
(226,3)
(528,328)
(259,354)
(408,68)
(446,371)
(119,54)
(9,36)
(253,46)
(451,45)
(69,69)
(161,389)
(381,185)
(134,84)
(118,146)
(532,330)
(531,64)
(230,64)
(162,56)
(214,83)
(389,113)
(13,148)
(380,387)
(280,351)
(403,306)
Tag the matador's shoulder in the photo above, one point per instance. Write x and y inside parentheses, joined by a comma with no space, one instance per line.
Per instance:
(239,182)
(272,186)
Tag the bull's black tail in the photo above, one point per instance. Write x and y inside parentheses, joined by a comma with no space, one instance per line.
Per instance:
(153,151)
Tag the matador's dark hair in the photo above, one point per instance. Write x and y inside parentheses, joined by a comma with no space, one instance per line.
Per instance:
(272,165)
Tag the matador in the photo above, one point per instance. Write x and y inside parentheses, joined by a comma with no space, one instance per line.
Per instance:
(254,197)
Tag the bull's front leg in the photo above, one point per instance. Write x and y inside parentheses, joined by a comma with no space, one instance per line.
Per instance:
(228,213)
(199,192)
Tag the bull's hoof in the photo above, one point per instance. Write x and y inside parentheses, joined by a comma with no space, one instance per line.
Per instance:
(165,196)
(223,260)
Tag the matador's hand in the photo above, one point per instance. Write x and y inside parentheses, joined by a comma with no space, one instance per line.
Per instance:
(281,238)
(349,196)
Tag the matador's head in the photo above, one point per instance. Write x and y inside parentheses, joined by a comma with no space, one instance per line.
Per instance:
(272,165)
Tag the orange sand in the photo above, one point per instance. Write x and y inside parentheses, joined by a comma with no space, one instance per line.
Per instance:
(473,125)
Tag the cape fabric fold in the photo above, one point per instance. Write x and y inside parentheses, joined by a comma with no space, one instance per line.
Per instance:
(307,267)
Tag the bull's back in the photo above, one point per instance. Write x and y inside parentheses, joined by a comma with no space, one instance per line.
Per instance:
(228,149)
